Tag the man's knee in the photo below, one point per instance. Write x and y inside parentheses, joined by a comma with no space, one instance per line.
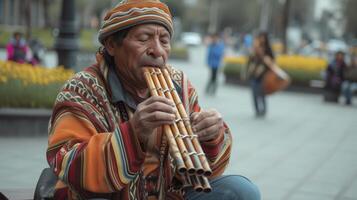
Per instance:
(236,187)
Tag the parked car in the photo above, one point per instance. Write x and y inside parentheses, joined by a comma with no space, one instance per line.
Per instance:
(335,45)
(191,38)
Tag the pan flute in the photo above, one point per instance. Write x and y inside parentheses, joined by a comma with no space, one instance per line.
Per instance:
(184,147)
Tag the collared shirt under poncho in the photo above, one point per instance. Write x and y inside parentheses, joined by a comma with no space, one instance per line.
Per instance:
(92,148)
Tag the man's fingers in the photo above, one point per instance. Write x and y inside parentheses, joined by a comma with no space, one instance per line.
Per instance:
(165,118)
(207,122)
(158,106)
(153,99)
(208,133)
(194,116)
(197,118)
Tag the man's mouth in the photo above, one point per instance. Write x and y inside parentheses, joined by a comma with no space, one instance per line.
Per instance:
(152,62)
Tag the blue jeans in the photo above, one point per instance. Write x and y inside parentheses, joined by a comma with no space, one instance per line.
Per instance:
(231,187)
(348,88)
(212,83)
(258,97)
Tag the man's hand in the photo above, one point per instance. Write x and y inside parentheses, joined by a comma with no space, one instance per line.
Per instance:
(150,114)
(207,124)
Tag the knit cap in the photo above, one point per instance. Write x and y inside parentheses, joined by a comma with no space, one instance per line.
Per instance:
(129,13)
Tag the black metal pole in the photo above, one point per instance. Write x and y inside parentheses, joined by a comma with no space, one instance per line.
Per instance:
(67,43)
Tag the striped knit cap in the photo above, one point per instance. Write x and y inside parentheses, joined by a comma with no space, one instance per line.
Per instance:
(129,13)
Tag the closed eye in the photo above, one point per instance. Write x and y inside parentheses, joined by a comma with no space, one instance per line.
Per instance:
(143,38)
(165,39)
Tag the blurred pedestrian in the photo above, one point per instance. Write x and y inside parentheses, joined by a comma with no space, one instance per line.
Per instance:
(247,43)
(335,77)
(349,85)
(258,64)
(214,59)
(17,49)
(37,50)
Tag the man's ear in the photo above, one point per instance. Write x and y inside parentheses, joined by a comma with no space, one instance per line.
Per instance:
(110,45)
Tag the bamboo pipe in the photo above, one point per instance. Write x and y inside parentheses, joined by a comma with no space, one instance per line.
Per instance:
(180,127)
(181,109)
(178,138)
(158,87)
(174,151)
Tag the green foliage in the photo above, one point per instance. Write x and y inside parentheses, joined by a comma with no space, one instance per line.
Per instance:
(241,15)
(87,40)
(179,53)
(4,37)
(300,77)
(233,69)
(177,8)
(349,9)
(14,94)
(45,35)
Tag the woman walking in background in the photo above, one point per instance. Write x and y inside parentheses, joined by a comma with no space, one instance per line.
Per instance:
(258,64)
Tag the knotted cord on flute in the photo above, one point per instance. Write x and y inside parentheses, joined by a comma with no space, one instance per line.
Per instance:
(185,149)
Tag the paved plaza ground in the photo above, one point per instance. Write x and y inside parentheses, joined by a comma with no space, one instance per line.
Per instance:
(304,149)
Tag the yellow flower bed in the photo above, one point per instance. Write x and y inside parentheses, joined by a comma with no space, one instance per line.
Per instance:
(33,75)
(277,47)
(27,86)
(294,62)
(241,60)
(301,69)
(301,63)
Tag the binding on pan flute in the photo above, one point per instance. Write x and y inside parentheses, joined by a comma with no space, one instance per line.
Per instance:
(184,147)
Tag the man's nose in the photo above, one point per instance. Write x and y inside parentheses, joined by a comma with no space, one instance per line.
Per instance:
(156,49)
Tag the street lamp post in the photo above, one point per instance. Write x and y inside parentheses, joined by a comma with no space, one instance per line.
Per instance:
(67,44)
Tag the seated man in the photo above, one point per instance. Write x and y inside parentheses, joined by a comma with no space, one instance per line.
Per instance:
(335,77)
(106,140)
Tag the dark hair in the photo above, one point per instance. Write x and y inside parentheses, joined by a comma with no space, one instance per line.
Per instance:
(120,35)
(118,38)
(214,34)
(340,53)
(17,33)
(267,48)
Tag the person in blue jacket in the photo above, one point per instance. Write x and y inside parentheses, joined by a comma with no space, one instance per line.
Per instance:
(214,58)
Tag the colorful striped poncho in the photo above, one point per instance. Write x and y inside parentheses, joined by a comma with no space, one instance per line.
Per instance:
(94,153)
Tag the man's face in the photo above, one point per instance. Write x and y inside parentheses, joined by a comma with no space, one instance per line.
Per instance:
(17,37)
(144,45)
(340,57)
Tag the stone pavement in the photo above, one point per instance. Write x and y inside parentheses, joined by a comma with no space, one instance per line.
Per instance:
(304,149)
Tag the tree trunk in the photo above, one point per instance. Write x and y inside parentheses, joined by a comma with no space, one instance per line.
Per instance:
(87,13)
(28,20)
(286,14)
(45,5)
(213,20)
(265,15)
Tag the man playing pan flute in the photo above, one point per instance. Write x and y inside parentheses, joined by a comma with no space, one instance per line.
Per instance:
(106,138)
